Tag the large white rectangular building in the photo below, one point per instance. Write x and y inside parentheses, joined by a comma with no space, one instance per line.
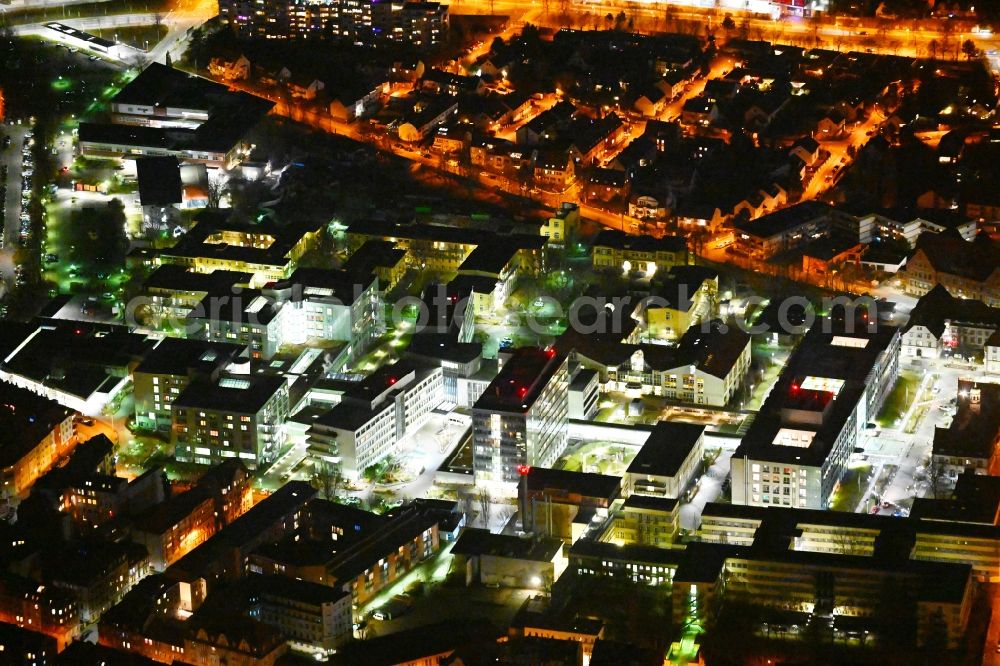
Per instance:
(797,448)
(375,414)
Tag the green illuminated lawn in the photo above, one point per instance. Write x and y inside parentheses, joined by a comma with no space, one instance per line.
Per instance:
(903,393)
(852,486)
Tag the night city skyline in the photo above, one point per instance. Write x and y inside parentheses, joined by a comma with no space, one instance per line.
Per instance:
(507,332)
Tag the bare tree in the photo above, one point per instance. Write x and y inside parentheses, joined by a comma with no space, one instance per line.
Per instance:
(936,474)
(485,506)
(328,479)
(849,544)
(216,188)
(467,504)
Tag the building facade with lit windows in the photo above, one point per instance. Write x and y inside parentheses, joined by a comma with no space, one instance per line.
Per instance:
(966,269)
(235,416)
(320,305)
(620,251)
(562,225)
(37,432)
(703,577)
(371,22)
(520,419)
(43,608)
(445,249)
(269,251)
(797,448)
(174,528)
(942,325)
(313,617)
(169,368)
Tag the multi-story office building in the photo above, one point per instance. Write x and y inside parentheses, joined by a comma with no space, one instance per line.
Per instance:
(564,504)
(311,305)
(249,318)
(971,441)
(797,448)
(422,24)
(268,251)
(644,520)
(375,414)
(234,416)
(319,304)
(173,291)
(707,367)
(44,608)
(520,419)
(169,368)
(442,248)
(769,573)
(667,461)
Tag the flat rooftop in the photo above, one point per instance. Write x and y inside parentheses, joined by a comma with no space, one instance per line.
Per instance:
(668,446)
(834,354)
(521,380)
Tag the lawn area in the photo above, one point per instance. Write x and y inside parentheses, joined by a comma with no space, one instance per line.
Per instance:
(904,392)
(139,36)
(848,493)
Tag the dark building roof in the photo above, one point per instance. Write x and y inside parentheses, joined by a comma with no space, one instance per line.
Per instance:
(476,542)
(784,219)
(820,354)
(171,277)
(938,306)
(615,653)
(245,530)
(165,516)
(159,181)
(345,286)
(199,241)
(975,427)
(26,419)
(442,347)
(374,254)
(303,591)
(642,243)
(238,394)
(521,380)
(949,253)
(78,357)
(182,356)
(562,482)
(666,448)
(247,306)
(418,644)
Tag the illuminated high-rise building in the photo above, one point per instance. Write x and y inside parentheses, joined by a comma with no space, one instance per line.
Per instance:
(520,419)
(422,24)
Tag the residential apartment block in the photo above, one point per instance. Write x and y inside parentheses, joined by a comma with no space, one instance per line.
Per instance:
(234,416)
(422,24)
